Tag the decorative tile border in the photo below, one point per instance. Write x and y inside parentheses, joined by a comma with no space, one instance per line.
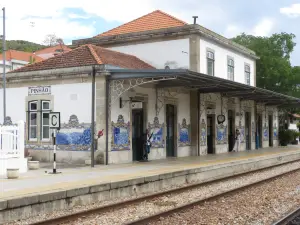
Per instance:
(221,137)
(184,134)
(157,129)
(120,134)
(203,133)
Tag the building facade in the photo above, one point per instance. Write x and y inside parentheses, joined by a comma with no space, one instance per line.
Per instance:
(17,59)
(190,87)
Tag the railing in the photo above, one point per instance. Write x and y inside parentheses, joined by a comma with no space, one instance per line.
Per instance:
(12,141)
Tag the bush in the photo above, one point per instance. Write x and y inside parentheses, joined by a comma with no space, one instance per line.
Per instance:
(286,137)
(295,134)
(298,125)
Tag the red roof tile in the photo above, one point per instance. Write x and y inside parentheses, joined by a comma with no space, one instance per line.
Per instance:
(20,55)
(53,49)
(87,55)
(152,21)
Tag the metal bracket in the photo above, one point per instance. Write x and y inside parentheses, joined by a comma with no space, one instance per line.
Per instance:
(119,87)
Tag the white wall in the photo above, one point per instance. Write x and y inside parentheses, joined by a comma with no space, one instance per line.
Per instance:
(158,54)
(15,103)
(221,54)
(68,99)
(73,99)
(12,65)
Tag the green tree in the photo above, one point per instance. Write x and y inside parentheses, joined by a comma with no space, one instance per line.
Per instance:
(21,45)
(273,69)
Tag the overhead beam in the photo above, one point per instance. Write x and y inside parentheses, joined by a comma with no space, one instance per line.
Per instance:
(214,90)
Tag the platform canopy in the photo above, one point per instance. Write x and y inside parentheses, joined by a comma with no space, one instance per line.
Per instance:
(205,84)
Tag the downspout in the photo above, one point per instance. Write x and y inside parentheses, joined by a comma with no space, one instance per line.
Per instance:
(93,118)
(106,117)
(198,121)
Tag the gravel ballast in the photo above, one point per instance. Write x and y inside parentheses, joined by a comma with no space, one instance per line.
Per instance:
(263,204)
(214,214)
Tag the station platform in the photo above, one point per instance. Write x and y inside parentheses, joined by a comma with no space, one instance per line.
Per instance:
(81,181)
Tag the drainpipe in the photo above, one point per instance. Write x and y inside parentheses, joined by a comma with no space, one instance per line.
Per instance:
(93,119)
(198,121)
(106,117)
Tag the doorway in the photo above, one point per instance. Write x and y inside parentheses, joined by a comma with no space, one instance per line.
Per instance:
(137,134)
(270,130)
(259,131)
(210,133)
(231,123)
(248,130)
(170,139)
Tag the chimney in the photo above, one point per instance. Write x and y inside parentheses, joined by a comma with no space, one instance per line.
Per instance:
(195,19)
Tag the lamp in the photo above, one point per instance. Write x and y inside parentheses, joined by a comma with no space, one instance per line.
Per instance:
(130,94)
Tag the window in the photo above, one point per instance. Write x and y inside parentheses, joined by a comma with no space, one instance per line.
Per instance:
(45,120)
(33,120)
(39,120)
(247,74)
(230,69)
(210,63)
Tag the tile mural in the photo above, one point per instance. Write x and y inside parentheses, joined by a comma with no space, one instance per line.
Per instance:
(74,135)
(253,132)
(265,132)
(120,134)
(156,128)
(221,134)
(275,132)
(203,132)
(242,132)
(184,134)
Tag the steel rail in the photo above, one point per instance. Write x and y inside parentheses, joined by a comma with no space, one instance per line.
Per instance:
(289,218)
(163,214)
(126,203)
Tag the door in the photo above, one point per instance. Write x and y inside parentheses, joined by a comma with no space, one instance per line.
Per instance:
(248,130)
(170,139)
(210,134)
(270,130)
(230,130)
(259,131)
(137,134)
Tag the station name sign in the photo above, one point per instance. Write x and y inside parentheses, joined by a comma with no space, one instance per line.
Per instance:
(40,90)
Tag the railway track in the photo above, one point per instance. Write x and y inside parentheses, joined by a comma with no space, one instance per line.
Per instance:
(67,219)
(292,218)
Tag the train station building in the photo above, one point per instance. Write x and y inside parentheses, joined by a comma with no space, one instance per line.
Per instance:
(189,86)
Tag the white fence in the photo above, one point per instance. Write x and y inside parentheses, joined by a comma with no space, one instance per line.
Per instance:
(12,141)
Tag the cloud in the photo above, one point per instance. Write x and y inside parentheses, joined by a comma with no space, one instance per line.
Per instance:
(76,16)
(263,28)
(232,31)
(291,11)
(66,18)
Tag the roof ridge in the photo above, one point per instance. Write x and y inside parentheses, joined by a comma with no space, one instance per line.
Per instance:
(173,17)
(110,50)
(94,54)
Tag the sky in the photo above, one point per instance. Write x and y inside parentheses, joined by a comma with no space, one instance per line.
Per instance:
(32,20)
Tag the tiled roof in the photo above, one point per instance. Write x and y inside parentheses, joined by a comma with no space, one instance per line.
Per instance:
(152,21)
(20,55)
(53,49)
(87,55)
